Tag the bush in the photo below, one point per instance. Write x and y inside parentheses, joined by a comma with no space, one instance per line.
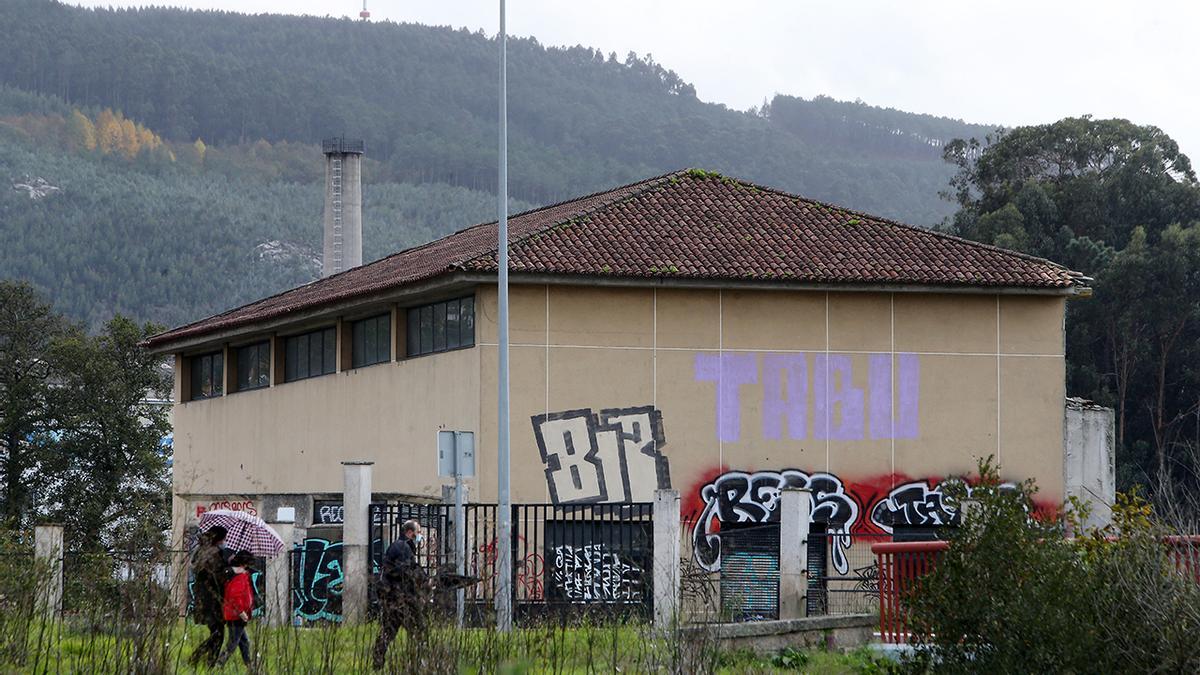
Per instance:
(1014,594)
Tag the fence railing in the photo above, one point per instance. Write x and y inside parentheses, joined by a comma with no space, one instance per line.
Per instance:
(593,558)
(902,565)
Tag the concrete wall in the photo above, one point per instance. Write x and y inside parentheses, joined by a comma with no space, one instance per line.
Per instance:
(351,198)
(290,438)
(972,376)
(869,399)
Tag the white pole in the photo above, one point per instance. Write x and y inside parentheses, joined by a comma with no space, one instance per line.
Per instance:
(504,515)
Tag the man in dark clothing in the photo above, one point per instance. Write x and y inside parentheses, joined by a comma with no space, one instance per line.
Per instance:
(402,585)
(211,571)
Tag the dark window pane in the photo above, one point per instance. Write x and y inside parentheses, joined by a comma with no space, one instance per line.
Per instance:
(439,327)
(370,346)
(452,340)
(384,338)
(467,322)
(302,356)
(218,375)
(414,332)
(358,340)
(427,329)
(264,364)
(291,357)
(329,357)
(206,376)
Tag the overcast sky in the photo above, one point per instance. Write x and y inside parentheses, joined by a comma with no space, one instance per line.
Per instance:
(1010,62)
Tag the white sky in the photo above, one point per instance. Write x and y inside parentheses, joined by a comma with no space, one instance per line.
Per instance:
(1009,62)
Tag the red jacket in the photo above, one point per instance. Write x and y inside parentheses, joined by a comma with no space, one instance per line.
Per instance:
(238,597)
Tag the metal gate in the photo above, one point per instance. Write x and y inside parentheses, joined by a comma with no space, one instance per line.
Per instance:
(567,559)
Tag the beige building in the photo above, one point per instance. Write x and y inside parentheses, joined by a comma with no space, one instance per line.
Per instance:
(688,331)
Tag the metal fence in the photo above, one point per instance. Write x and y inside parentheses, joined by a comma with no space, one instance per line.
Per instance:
(843,573)
(567,559)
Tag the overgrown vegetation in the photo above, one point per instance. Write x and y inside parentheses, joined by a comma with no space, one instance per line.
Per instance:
(1014,594)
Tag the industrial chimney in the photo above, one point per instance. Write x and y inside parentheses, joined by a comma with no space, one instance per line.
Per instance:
(343,205)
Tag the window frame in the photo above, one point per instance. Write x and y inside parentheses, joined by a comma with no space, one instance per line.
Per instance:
(239,361)
(216,368)
(428,327)
(292,357)
(383,342)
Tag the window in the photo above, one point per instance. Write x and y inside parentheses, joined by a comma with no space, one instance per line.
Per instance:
(208,372)
(310,355)
(254,366)
(371,341)
(441,326)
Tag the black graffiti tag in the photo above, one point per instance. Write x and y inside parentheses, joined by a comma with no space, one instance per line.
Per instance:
(739,497)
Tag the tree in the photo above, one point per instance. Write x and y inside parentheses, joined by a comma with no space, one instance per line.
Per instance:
(81,132)
(111,477)
(108,131)
(28,328)
(1113,200)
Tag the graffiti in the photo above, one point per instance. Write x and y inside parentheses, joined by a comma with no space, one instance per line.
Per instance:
(611,457)
(739,497)
(917,503)
(317,580)
(592,573)
(839,410)
(528,574)
(248,505)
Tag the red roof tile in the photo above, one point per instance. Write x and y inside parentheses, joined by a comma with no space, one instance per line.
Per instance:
(684,225)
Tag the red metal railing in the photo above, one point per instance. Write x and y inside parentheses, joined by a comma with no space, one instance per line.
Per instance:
(901,567)
(903,564)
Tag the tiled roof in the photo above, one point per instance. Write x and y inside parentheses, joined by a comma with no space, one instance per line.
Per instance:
(687,225)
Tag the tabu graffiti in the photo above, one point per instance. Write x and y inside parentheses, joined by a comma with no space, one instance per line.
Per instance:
(612,456)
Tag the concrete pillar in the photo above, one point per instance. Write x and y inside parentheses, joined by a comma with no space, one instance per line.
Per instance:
(356,537)
(795,520)
(279,576)
(666,559)
(1089,458)
(48,551)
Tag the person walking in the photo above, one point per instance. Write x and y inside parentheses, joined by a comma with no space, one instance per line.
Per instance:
(402,585)
(238,607)
(210,573)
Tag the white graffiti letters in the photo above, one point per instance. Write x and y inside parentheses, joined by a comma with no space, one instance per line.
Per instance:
(612,457)
(738,497)
(586,573)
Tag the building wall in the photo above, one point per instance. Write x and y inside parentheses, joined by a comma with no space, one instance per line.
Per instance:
(290,438)
(916,388)
(870,399)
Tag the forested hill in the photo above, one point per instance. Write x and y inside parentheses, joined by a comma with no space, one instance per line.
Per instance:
(424,99)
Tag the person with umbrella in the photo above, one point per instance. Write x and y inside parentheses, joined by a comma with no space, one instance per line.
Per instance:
(401,591)
(212,571)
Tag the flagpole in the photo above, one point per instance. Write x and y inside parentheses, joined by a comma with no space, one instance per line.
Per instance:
(504,507)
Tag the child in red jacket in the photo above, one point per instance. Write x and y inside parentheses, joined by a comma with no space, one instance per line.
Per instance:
(238,606)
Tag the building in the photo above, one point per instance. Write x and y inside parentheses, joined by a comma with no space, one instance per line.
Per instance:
(688,331)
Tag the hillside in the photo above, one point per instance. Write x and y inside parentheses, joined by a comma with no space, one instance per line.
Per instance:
(260,91)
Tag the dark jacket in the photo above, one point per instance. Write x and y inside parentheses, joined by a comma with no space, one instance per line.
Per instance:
(212,572)
(400,571)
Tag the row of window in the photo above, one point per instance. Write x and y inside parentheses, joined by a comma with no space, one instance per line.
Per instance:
(437,327)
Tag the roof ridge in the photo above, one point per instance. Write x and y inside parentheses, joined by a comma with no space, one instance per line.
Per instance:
(909,226)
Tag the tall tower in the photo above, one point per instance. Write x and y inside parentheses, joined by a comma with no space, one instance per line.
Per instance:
(343,205)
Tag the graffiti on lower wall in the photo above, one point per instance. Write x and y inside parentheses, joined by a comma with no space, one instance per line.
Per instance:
(317,580)
(846,508)
(613,456)
(838,409)
(739,497)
